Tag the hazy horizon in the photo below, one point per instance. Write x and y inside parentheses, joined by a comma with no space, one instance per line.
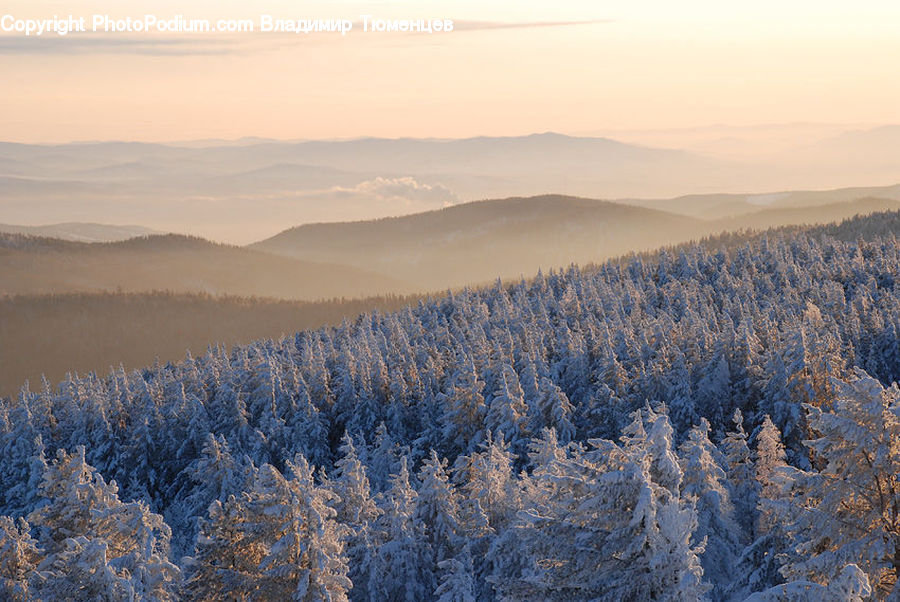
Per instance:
(241,191)
(687,133)
(508,68)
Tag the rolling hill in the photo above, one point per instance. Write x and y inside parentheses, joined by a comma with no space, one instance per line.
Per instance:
(175,263)
(476,242)
(721,206)
(807,215)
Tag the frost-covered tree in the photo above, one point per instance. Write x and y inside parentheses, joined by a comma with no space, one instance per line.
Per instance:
(605,530)
(759,565)
(553,410)
(544,450)
(306,562)
(225,561)
(849,512)
(507,412)
(438,508)
(852,585)
(214,475)
(705,481)
(19,557)
(486,477)
(648,439)
(80,569)
(301,545)
(741,472)
(22,491)
(353,502)
(457,579)
(83,520)
(464,410)
(403,569)
(714,389)
(384,458)
(356,509)
(770,459)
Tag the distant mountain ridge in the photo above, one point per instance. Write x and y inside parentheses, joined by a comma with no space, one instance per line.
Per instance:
(81,232)
(719,206)
(480,241)
(264,184)
(476,242)
(460,245)
(175,263)
(246,190)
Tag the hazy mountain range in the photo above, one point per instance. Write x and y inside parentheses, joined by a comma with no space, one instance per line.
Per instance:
(178,264)
(81,232)
(713,207)
(252,189)
(74,305)
(465,244)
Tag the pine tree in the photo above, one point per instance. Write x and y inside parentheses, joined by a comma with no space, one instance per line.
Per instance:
(759,566)
(83,520)
(80,569)
(705,481)
(770,460)
(850,511)
(606,531)
(507,412)
(464,410)
(403,570)
(553,410)
(852,585)
(306,563)
(356,509)
(438,509)
(19,557)
(486,477)
(457,580)
(213,475)
(741,477)
(225,561)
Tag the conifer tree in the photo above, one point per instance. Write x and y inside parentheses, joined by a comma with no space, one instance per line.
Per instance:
(19,557)
(84,521)
(741,476)
(705,481)
(849,512)
(403,570)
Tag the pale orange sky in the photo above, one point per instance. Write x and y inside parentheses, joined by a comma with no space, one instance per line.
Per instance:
(639,64)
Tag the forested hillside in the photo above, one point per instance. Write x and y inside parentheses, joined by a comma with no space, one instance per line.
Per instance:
(180,264)
(477,242)
(52,335)
(704,423)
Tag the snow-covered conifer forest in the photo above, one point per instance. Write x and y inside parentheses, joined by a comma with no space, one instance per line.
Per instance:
(710,422)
